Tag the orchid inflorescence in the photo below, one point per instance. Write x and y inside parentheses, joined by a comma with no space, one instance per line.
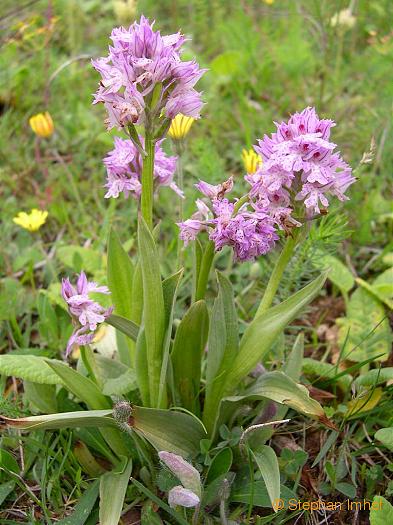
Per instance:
(299,169)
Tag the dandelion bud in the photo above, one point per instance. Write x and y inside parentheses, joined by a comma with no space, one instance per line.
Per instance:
(42,124)
(122,411)
(31,221)
(181,496)
(251,161)
(180,126)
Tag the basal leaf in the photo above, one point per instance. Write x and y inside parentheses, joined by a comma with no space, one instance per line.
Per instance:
(113,486)
(267,462)
(29,367)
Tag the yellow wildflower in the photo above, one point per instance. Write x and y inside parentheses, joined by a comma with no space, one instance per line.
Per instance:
(269,2)
(31,221)
(42,124)
(251,160)
(180,126)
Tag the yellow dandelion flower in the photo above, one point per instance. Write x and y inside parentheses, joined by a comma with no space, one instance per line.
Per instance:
(180,126)
(42,124)
(31,221)
(251,160)
(269,2)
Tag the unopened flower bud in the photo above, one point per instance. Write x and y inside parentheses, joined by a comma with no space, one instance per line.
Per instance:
(42,124)
(122,411)
(183,497)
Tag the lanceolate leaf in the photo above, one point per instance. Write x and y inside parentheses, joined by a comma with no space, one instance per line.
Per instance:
(29,367)
(186,356)
(153,308)
(120,275)
(88,418)
(169,430)
(267,462)
(262,332)
(223,346)
(113,486)
(127,327)
(278,387)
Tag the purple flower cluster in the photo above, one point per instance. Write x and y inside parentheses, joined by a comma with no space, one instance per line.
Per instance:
(139,60)
(299,164)
(250,232)
(85,312)
(299,169)
(124,169)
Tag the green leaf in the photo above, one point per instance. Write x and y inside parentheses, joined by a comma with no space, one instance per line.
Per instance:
(365,330)
(262,332)
(227,63)
(381,288)
(43,397)
(141,368)
(120,276)
(338,274)
(80,258)
(385,436)
(117,378)
(223,346)
(84,506)
(186,356)
(277,387)
(6,489)
(375,377)
(30,368)
(169,430)
(381,511)
(312,367)
(170,288)
(8,461)
(87,461)
(267,462)
(153,308)
(88,418)
(125,326)
(113,486)
(220,465)
(293,364)
(82,387)
(347,489)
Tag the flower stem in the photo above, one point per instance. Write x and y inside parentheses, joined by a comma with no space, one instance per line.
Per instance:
(148,181)
(180,184)
(277,273)
(204,272)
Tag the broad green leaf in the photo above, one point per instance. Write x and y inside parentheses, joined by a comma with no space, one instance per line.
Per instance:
(375,377)
(30,368)
(220,465)
(117,378)
(186,356)
(153,308)
(113,486)
(125,326)
(170,288)
(267,462)
(365,330)
(385,436)
(169,430)
(84,506)
(43,397)
(8,461)
(381,288)
(223,346)
(81,386)
(141,368)
(88,418)
(338,274)
(258,340)
(312,367)
(227,63)
(120,273)
(293,364)
(381,512)
(256,493)
(6,489)
(262,332)
(277,387)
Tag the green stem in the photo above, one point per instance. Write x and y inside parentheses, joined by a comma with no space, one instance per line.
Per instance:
(204,272)
(180,184)
(148,181)
(276,275)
